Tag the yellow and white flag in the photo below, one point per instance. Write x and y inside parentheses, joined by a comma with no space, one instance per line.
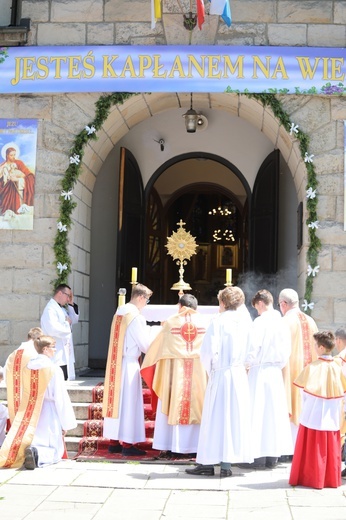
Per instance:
(155,12)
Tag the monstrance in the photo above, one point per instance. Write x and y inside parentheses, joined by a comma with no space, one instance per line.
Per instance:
(181,246)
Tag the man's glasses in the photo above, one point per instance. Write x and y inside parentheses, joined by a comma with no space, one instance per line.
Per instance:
(48,346)
(66,294)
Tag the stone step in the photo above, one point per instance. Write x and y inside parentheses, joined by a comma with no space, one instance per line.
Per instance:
(80,392)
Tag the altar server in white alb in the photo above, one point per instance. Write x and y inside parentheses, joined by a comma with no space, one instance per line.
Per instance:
(123,408)
(225,427)
(36,436)
(269,352)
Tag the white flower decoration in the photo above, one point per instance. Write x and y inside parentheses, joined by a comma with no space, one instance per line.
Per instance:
(66,194)
(306,305)
(314,225)
(90,129)
(313,270)
(61,267)
(293,128)
(74,159)
(61,227)
(310,193)
(308,158)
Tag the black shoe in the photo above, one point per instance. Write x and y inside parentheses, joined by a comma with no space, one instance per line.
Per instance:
(31,458)
(271,462)
(115,448)
(343,473)
(285,458)
(225,473)
(201,469)
(246,465)
(271,465)
(132,451)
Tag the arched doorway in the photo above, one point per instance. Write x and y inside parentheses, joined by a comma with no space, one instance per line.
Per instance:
(211,196)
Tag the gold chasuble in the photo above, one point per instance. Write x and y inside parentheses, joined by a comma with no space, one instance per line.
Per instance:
(14,370)
(21,434)
(302,329)
(179,379)
(112,384)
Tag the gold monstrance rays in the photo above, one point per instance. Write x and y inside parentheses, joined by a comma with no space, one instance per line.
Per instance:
(181,246)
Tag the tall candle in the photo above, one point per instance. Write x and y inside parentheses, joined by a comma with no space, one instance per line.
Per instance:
(121,296)
(121,300)
(228,275)
(134,275)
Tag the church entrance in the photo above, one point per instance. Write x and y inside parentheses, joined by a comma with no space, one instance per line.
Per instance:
(214,211)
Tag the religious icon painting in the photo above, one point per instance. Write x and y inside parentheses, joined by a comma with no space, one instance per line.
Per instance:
(227,256)
(18,141)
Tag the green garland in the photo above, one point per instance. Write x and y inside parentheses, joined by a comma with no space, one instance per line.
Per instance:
(103,106)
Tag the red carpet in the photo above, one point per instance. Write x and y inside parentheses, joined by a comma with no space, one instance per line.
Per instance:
(94,447)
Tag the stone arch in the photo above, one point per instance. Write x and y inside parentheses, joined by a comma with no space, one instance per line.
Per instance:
(136,109)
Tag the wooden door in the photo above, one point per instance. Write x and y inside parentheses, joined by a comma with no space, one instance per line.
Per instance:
(130,222)
(264,217)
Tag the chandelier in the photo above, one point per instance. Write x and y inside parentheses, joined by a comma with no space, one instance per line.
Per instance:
(224,223)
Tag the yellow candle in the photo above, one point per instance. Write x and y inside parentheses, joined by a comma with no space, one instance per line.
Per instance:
(121,300)
(228,275)
(134,275)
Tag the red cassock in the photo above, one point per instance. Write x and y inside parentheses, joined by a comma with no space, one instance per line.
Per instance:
(317,459)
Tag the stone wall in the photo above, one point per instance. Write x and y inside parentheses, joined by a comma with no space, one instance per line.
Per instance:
(319,23)
(27,262)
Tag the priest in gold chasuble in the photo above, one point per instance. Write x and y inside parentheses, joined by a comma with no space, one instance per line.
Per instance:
(172,369)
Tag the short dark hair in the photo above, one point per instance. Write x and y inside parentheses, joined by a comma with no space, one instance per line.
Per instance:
(61,287)
(188,300)
(262,296)
(325,339)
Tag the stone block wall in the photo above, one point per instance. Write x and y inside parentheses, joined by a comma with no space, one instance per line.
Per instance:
(319,23)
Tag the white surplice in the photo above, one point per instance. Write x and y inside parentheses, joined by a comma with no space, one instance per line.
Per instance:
(225,427)
(54,324)
(56,415)
(129,426)
(270,348)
